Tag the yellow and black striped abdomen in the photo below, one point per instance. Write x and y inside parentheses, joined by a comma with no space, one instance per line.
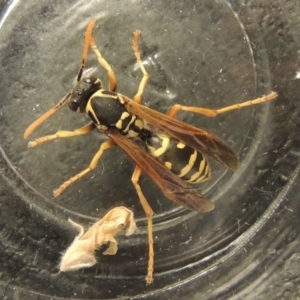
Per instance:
(181,159)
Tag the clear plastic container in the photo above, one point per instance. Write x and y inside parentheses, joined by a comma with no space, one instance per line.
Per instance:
(201,53)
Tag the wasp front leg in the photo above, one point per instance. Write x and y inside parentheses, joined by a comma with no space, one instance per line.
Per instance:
(46,115)
(214,112)
(106,66)
(63,134)
(149,213)
(104,146)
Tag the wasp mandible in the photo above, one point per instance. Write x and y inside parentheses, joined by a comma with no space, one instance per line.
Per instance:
(175,153)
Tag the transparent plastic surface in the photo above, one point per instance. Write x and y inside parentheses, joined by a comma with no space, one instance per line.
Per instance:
(202,53)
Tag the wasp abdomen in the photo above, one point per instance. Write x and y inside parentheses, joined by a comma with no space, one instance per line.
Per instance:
(181,159)
(106,108)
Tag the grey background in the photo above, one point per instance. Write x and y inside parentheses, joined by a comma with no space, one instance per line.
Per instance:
(204,53)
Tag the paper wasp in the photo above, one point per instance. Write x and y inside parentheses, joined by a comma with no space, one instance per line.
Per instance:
(174,153)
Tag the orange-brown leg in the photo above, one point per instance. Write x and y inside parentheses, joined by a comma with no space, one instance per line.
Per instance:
(63,134)
(45,116)
(149,213)
(106,66)
(138,171)
(214,112)
(104,146)
(135,47)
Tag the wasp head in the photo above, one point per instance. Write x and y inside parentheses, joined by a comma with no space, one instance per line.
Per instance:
(82,92)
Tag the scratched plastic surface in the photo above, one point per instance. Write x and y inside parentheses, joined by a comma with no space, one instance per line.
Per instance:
(202,53)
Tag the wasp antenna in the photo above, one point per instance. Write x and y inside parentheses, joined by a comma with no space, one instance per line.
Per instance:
(45,116)
(87,41)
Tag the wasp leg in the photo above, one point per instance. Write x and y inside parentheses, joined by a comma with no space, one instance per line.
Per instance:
(106,66)
(87,41)
(149,213)
(135,47)
(45,116)
(104,146)
(63,134)
(214,112)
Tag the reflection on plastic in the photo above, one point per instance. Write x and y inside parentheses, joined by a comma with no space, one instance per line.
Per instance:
(199,53)
(81,253)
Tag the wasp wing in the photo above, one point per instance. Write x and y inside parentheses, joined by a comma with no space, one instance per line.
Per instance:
(172,186)
(201,140)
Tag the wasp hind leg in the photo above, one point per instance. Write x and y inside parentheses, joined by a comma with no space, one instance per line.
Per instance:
(104,146)
(149,213)
(137,171)
(214,112)
(135,47)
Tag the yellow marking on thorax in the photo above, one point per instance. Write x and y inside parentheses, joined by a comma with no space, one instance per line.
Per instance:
(133,118)
(132,133)
(121,98)
(90,110)
(100,94)
(124,115)
(139,123)
(180,145)
(168,165)
(119,124)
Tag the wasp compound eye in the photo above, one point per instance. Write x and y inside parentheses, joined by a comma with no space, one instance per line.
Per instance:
(73,104)
(82,92)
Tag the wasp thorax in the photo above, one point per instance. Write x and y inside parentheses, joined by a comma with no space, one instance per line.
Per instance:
(82,92)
